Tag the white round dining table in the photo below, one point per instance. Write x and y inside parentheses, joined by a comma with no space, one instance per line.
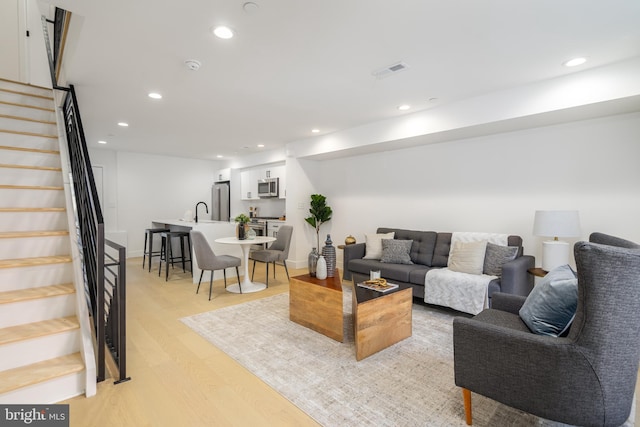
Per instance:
(247,285)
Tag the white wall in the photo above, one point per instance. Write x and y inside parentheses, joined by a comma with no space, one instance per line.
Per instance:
(140,188)
(493,184)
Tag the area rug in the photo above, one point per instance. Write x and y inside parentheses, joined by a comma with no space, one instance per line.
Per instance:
(408,384)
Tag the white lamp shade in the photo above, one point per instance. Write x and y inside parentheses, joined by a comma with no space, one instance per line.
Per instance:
(556,224)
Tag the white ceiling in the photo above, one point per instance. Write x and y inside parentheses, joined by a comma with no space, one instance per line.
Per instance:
(295,65)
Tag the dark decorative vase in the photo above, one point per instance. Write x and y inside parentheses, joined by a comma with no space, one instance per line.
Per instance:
(313,261)
(329,254)
(241,232)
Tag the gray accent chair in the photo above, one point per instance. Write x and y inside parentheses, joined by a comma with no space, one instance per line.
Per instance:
(207,260)
(278,251)
(585,378)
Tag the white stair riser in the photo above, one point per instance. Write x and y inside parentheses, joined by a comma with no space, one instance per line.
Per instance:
(12,279)
(25,88)
(33,221)
(35,350)
(27,126)
(29,113)
(10,198)
(29,247)
(48,392)
(18,176)
(32,101)
(27,141)
(35,310)
(27,158)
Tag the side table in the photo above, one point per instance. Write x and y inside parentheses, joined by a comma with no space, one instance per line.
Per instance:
(317,304)
(537,271)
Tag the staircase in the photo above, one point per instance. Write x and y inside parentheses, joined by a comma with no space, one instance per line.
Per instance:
(40,338)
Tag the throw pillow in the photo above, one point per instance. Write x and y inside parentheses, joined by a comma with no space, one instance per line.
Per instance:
(467,257)
(396,251)
(551,306)
(496,256)
(374,244)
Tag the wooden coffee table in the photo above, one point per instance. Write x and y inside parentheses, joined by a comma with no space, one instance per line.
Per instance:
(380,319)
(317,304)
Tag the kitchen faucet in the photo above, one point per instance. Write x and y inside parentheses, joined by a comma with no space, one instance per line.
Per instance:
(205,206)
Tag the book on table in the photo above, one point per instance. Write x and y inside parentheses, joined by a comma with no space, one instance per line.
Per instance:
(378,285)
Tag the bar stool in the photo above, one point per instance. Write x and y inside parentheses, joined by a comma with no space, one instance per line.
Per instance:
(148,236)
(167,251)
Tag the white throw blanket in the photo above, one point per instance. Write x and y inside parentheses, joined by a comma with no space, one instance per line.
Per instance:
(464,292)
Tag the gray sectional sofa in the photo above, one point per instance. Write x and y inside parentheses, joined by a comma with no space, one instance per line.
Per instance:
(429,250)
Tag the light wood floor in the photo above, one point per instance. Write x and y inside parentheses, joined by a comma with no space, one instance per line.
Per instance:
(178,378)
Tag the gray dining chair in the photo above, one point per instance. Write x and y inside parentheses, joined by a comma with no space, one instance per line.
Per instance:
(278,251)
(207,260)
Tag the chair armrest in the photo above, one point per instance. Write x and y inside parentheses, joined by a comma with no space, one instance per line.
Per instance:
(507,302)
(355,251)
(511,366)
(515,277)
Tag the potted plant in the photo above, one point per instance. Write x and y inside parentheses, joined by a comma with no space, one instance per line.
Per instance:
(320,213)
(242,221)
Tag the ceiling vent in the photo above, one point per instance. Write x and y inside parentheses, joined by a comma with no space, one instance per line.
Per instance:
(389,70)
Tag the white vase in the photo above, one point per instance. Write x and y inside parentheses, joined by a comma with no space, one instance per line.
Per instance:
(321,268)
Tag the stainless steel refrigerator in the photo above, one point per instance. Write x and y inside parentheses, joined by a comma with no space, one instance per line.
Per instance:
(220,203)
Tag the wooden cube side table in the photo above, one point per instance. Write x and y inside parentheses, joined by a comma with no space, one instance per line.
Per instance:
(317,304)
(381,319)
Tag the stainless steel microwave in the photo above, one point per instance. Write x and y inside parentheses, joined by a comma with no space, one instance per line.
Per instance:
(268,187)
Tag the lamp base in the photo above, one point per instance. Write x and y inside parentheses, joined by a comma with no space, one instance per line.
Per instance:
(554,254)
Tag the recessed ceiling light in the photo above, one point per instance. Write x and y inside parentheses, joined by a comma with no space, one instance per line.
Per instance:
(404,107)
(223,32)
(102,142)
(315,130)
(123,124)
(575,62)
(219,156)
(155,95)
(260,145)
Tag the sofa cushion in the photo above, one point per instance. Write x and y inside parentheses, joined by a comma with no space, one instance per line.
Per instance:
(467,257)
(423,243)
(496,256)
(374,244)
(551,306)
(396,251)
(442,249)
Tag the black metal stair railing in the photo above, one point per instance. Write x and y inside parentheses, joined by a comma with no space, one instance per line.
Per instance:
(104,280)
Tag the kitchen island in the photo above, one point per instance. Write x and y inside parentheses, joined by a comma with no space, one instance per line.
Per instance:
(212,230)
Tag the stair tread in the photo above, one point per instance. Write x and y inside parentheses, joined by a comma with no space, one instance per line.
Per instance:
(16,92)
(35,373)
(15,104)
(30,187)
(38,329)
(33,262)
(34,233)
(32,209)
(20,295)
(40,168)
(27,119)
(47,89)
(32,150)
(20,132)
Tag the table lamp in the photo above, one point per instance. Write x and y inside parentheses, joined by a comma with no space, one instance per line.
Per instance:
(556,224)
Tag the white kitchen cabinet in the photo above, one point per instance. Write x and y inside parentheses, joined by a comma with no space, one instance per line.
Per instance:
(249,184)
(223,175)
